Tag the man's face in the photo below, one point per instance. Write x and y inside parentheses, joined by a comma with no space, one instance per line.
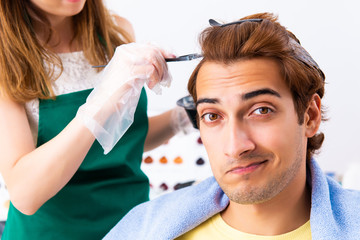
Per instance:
(250,129)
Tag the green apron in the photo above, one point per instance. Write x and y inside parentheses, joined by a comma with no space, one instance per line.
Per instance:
(101,192)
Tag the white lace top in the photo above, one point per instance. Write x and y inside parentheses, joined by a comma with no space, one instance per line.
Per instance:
(77,75)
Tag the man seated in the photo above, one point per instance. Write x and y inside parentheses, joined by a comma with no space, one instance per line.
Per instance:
(258,97)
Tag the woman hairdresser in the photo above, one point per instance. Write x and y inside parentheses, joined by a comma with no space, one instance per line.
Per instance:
(68,174)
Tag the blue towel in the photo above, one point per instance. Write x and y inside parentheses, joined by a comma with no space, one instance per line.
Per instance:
(335,212)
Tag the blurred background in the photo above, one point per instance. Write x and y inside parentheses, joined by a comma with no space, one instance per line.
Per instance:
(328,29)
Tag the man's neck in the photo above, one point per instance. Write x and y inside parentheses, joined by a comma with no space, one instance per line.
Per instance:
(286,212)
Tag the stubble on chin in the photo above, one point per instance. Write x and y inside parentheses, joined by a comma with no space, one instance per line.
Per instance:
(255,194)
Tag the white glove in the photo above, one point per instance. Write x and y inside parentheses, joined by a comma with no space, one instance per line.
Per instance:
(180,121)
(109,109)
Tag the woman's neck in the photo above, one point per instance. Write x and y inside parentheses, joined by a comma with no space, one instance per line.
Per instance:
(62,36)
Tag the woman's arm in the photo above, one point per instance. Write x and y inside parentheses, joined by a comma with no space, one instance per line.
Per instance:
(160,130)
(165,126)
(34,175)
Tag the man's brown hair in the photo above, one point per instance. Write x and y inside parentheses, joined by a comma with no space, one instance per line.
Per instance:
(266,38)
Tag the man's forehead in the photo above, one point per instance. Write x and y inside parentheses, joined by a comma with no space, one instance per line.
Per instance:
(240,76)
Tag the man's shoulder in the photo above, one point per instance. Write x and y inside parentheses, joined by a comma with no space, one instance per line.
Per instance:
(172,214)
(335,210)
(343,196)
(185,194)
(327,190)
(339,192)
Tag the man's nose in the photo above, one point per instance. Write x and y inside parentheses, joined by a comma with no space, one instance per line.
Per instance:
(237,139)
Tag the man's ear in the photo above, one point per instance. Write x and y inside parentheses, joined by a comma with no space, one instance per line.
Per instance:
(313,116)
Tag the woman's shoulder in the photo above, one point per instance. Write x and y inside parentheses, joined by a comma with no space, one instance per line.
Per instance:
(124,24)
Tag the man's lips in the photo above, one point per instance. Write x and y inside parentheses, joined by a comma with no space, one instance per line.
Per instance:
(246,168)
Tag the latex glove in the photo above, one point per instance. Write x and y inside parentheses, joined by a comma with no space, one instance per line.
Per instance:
(180,121)
(109,109)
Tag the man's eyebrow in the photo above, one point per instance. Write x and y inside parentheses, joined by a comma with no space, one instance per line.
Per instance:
(245,96)
(258,92)
(206,100)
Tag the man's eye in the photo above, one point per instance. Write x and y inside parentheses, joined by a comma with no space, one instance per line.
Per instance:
(262,110)
(210,117)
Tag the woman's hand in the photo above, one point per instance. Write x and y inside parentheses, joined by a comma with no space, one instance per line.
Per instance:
(110,108)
